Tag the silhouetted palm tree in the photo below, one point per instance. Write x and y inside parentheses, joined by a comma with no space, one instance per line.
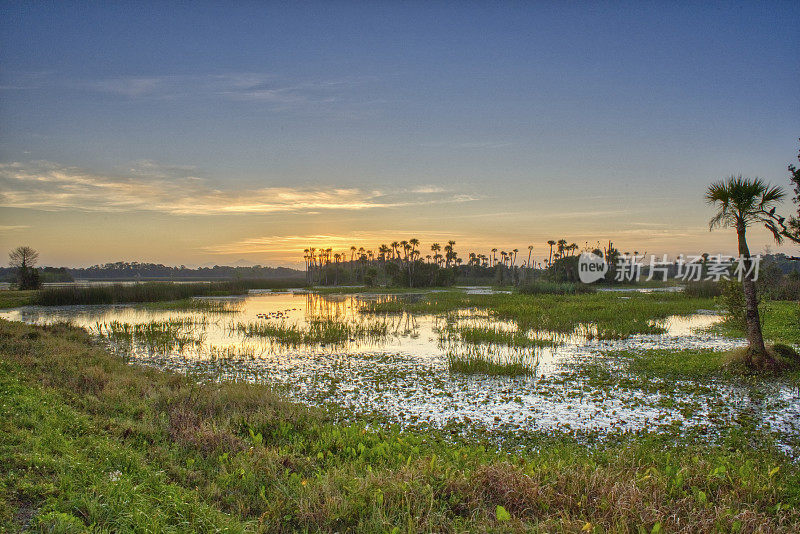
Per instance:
(551,243)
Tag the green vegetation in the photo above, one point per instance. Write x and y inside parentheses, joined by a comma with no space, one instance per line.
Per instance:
(781,323)
(321,331)
(197,305)
(479,360)
(605,315)
(492,335)
(88,442)
(12,299)
(155,336)
(555,288)
(703,289)
(150,291)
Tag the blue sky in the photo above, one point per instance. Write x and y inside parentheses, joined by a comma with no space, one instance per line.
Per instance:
(206,133)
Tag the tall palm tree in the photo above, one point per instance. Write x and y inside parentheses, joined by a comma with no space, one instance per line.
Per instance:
(530,251)
(742,202)
(493,257)
(561,245)
(551,243)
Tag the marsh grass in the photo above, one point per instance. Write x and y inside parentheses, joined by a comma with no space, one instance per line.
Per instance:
(10,298)
(151,291)
(485,361)
(204,305)
(90,443)
(154,336)
(544,287)
(492,335)
(604,315)
(316,331)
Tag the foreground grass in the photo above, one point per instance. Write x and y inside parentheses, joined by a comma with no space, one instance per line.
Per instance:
(604,315)
(88,442)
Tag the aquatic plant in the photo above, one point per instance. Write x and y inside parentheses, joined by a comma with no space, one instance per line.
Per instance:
(482,360)
(317,331)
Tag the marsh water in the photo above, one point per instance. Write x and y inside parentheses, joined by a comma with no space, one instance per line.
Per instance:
(395,366)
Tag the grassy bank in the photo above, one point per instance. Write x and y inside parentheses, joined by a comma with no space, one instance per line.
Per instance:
(87,441)
(12,298)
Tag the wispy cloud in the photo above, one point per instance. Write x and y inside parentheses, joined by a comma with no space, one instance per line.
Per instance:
(148,186)
(277,92)
(12,228)
(294,243)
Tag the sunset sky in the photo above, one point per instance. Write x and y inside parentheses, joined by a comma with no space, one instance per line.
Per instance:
(208,134)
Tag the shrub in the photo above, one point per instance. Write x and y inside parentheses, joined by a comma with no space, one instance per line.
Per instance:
(733,299)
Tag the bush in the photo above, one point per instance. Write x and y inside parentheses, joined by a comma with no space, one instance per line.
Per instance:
(733,299)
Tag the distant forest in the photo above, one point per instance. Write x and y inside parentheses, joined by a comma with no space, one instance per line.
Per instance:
(154,271)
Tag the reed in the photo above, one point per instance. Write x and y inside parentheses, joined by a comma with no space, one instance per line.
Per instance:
(154,336)
(318,331)
(492,335)
(483,361)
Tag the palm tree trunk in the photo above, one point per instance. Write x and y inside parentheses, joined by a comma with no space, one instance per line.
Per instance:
(754,336)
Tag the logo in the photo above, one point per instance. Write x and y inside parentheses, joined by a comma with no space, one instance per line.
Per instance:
(591,267)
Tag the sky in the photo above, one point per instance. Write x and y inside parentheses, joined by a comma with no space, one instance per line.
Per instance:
(214,133)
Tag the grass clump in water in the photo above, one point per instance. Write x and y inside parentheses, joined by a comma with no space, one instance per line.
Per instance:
(317,331)
(204,305)
(154,336)
(485,362)
(492,335)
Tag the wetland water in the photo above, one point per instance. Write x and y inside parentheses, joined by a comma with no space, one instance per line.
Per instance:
(395,366)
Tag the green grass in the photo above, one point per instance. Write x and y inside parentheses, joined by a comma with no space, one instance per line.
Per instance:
(492,335)
(318,331)
(485,363)
(13,298)
(780,323)
(90,443)
(197,304)
(543,287)
(604,315)
(155,336)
